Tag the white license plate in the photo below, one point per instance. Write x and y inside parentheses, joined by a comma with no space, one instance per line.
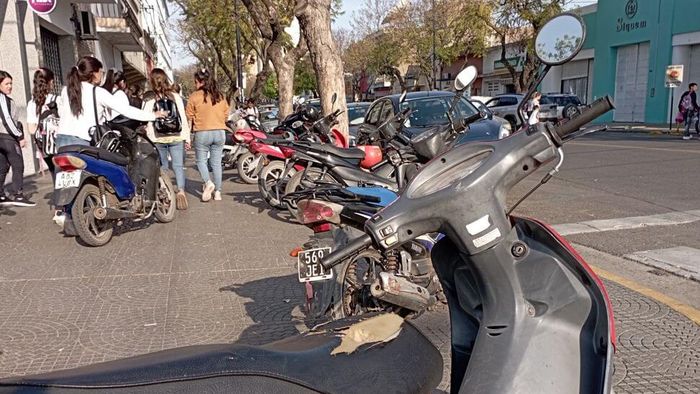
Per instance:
(309,265)
(68,179)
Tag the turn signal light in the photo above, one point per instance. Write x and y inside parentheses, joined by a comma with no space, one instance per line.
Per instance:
(69,163)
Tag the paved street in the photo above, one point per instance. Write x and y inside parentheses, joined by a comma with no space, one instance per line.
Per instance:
(221,272)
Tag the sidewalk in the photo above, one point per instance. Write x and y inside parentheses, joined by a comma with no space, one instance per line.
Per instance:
(649,128)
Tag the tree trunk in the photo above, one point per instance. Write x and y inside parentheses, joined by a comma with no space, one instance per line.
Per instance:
(285,87)
(315,22)
(260,81)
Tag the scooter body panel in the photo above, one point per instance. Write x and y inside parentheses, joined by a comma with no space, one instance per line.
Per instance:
(116,175)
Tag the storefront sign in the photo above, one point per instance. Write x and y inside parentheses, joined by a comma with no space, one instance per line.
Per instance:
(42,6)
(674,76)
(631,9)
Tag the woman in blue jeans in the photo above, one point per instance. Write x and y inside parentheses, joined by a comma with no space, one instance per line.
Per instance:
(171,141)
(207,109)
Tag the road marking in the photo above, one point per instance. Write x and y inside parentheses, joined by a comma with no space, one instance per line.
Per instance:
(696,151)
(684,309)
(595,226)
(681,260)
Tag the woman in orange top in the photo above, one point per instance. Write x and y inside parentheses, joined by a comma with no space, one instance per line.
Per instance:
(207,110)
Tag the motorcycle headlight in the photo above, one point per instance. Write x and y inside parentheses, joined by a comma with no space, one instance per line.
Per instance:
(504,131)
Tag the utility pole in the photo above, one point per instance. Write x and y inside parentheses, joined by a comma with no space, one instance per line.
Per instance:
(434,63)
(239,66)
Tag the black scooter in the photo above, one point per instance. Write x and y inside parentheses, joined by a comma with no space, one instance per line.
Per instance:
(528,314)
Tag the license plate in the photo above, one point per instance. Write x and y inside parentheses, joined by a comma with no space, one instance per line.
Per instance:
(68,179)
(309,265)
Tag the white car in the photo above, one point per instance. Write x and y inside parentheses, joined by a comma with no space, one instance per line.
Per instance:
(506,106)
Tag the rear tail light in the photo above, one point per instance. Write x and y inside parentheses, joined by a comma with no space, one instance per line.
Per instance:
(314,211)
(69,163)
(322,228)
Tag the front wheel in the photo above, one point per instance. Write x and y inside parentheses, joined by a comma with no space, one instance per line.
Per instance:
(165,198)
(272,185)
(246,170)
(90,230)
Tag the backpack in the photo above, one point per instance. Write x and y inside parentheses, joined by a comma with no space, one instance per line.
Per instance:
(45,134)
(169,125)
(686,102)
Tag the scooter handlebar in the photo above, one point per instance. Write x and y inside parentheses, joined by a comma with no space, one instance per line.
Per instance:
(346,251)
(599,107)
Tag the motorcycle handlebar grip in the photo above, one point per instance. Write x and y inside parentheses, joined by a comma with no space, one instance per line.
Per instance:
(346,251)
(599,107)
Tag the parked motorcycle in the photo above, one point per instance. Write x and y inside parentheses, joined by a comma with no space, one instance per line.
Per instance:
(528,315)
(98,188)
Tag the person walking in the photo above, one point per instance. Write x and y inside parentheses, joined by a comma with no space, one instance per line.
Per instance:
(42,119)
(207,109)
(116,84)
(533,109)
(82,96)
(11,143)
(688,106)
(171,136)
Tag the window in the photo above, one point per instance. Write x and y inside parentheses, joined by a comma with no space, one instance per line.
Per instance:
(466,108)
(502,101)
(373,113)
(52,57)
(387,111)
(427,111)
(577,86)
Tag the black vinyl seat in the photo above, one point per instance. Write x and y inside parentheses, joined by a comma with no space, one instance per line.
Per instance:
(345,153)
(98,153)
(300,364)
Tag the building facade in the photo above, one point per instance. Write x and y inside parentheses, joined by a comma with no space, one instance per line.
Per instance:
(125,35)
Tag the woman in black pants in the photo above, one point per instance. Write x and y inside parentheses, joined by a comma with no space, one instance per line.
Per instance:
(11,143)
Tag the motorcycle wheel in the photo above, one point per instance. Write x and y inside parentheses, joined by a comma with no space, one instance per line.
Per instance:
(90,230)
(296,183)
(245,169)
(356,297)
(270,180)
(165,211)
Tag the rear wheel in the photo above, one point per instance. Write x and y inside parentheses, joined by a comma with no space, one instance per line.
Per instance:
(308,179)
(271,184)
(90,230)
(246,170)
(165,196)
(513,123)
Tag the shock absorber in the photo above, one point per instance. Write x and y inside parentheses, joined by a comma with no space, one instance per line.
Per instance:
(392,261)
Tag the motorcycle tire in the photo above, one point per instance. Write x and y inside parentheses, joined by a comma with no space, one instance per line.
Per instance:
(271,177)
(90,230)
(245,170)
(165,210)
(295,183)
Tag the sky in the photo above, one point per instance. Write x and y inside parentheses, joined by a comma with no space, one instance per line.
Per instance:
(181,57)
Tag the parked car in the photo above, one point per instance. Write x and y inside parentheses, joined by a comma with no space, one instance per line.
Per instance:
(430,109)
(506,106)
(481,99)
(557,106)
(356,116)
(490,115)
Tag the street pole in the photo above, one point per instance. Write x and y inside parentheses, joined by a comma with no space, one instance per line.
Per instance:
(239,66)
(434,59)
(670,117)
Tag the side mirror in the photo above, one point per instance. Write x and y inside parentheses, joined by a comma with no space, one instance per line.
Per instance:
(560,39)
(465,78)
(357,121)
(484,114)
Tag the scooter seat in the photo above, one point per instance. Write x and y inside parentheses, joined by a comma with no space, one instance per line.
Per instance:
(98,153)
(300,364)
(345,153)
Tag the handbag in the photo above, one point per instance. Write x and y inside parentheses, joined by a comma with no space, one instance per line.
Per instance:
(680,117)
(97,131)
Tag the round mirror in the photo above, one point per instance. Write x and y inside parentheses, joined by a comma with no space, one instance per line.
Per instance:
(294,31)
(466,77)
(560,39)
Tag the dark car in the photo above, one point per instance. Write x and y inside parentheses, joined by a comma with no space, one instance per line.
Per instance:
(430,109)
(356,116)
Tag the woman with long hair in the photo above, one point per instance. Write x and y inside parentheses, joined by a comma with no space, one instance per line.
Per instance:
(207,109)
(172,143)
(42,111)
(11,143)
(81,96)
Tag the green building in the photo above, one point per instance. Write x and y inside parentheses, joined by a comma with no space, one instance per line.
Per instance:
(628,46)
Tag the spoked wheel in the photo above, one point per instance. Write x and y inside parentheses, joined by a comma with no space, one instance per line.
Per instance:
(90,230)
(165,196)
(246,170)
(358,278)
(272,185)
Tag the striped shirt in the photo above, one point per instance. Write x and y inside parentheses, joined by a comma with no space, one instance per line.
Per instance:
(7,118)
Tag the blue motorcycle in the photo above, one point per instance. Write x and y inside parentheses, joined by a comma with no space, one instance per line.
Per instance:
(101,186)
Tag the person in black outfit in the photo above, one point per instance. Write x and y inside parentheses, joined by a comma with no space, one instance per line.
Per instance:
(11,143)
(688,106)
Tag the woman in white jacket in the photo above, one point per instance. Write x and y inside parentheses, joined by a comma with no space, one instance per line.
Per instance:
(172,144)
(81,96)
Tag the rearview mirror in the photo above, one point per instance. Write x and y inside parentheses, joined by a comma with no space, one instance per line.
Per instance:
(466,77)
(402,98)
(560,39)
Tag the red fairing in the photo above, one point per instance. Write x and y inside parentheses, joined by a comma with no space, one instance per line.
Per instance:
(589,270)
(339,139)
(287,152)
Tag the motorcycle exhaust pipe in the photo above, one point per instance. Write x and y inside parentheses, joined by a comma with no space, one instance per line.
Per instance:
(401,292)
(101,213)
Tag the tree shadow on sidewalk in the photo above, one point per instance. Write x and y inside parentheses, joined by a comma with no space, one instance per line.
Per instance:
(254,200)
(274,304)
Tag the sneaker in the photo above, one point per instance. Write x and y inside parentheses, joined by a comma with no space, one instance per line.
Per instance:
(687,137)
(217,196)
(59,218)
(208,189)
(21,201)
(4,200)
(181,200)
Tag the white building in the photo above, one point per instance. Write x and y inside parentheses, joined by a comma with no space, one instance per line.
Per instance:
(125,35)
